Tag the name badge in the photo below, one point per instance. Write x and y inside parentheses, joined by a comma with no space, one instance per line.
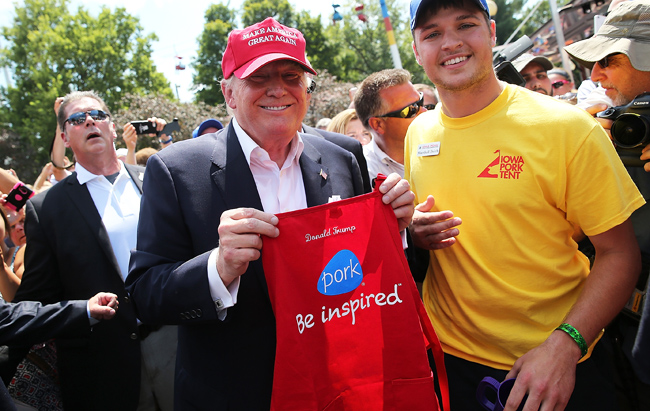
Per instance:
(429,149)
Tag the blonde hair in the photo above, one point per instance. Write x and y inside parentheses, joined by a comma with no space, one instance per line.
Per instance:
(340,121)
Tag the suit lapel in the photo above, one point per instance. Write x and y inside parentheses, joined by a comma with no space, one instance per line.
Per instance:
(80,197)
(315,175)
(137,175)
(235,182)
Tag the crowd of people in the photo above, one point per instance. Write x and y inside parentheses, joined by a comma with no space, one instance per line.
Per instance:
(133,280)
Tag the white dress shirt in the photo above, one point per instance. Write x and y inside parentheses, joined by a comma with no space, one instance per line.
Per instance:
(380,162)
(118,205)
(280,189)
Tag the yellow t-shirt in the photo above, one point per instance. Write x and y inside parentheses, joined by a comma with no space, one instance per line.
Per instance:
(518,173)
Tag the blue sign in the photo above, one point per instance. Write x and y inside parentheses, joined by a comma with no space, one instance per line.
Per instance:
(342,274)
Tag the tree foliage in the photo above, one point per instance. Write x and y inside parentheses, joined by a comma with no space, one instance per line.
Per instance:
(141,107)
(219,21)
(54,51)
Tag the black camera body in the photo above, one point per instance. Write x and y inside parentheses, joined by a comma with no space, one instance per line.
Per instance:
(144,127)
(631,126)
(502,61)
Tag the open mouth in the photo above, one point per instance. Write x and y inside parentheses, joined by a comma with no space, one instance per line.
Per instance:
(454,61)
(93,135)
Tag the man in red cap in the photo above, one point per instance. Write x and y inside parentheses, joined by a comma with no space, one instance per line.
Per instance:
(197,260)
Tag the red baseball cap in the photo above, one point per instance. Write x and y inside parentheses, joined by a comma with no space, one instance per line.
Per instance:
(251,48)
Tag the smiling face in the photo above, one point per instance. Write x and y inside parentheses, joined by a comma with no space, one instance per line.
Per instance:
(454,46)
(271,103)
(93,139)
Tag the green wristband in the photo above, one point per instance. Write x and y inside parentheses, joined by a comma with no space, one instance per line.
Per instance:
(577,337)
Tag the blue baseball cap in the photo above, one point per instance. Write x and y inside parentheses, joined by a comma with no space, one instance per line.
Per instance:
(418,6)
(211,122)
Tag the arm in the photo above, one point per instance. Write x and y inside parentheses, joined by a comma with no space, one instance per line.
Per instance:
(29,322)
(168,270)
(9,281)
(547,372)
(44,177)
(130,138)
(58,148)
(7,180)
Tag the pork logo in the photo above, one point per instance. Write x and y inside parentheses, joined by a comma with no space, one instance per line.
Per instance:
(342,274)
(505,167)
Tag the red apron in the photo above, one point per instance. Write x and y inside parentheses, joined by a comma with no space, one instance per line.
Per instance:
(352,332)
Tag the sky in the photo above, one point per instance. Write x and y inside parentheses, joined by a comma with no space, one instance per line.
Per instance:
(178,24)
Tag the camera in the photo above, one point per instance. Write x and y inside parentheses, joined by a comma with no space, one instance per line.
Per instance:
(502,61)
(631,128)
(144,127)
(18,196)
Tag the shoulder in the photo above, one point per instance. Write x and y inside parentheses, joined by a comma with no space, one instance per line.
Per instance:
(54,193)
(325,146)
(188,151)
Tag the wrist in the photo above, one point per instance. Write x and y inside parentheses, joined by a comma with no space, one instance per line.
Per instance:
(574,334)
(166,141)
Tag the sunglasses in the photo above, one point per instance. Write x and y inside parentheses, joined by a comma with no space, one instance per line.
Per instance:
(604,62)
(559,83)
(429,106)
(409,111)
(80,117)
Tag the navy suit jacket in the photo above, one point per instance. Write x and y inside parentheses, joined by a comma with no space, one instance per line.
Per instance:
(30,322)
(220,364)
(69,257)
(348,143)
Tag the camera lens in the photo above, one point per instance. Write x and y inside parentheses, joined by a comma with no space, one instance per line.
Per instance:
(630,130)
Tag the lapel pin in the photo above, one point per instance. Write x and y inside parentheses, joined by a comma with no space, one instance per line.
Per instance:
(323,174)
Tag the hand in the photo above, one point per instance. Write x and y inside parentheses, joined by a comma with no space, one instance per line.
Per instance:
(57,104)
(607,124)
(397,192)
(239,240)
(160,123)
(103,306)
(130,136)
(48,170)
(433,230)
(645,155)
(546,373)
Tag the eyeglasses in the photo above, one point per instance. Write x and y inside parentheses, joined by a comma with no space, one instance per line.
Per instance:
(604,62)
(80,117)
(559,83)
(429,106)
(409,111)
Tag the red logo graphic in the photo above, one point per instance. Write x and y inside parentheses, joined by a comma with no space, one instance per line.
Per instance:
(510,167)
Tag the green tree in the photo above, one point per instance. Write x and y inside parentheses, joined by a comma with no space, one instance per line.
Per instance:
(507,19)
(53,51)
(363,46)
(219,21)
(255,11)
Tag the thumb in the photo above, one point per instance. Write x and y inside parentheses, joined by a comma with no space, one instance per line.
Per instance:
(427,205)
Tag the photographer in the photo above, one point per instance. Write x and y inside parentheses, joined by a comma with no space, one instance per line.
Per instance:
(619,57)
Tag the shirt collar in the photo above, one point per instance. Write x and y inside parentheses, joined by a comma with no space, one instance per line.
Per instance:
(248,145)
(372,146)
(84,176)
